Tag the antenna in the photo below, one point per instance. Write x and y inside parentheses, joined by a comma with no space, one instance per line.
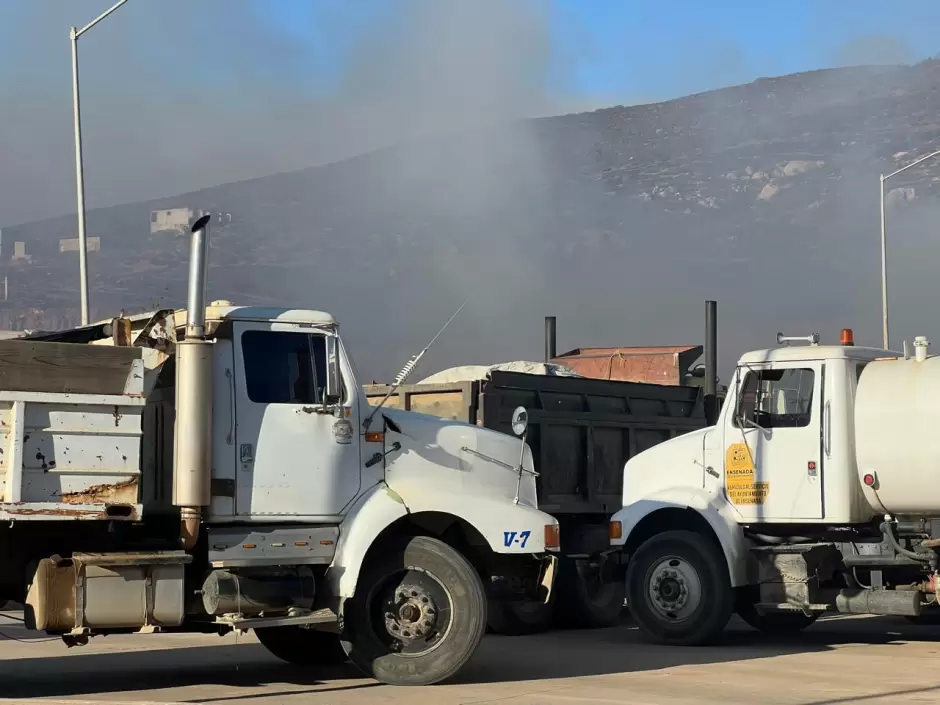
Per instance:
(409,366)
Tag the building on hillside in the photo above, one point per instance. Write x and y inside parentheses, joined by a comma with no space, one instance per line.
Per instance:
(175,220)
(655,365)
(70,244)
(19,252)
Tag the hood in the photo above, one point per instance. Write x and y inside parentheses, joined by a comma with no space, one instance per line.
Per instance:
(673,463)
(455,456)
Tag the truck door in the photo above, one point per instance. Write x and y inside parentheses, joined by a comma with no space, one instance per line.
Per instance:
(773,459)
(295,458)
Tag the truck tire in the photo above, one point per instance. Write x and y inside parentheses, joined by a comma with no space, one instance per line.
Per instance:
(302,647)
(418,614)
(517,617)
(588,597)
(929,617)
(678,589)
(778,622)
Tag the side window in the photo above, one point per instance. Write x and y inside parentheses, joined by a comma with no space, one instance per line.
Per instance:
(284,367)
(777,398)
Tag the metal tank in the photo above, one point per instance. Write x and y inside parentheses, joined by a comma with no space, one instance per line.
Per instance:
(897,433)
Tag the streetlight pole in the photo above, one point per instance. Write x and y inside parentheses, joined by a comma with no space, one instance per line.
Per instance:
(884,246)
(74,34)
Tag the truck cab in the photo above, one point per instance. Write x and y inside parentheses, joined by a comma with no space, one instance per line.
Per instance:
(790,407)
(293,440)
(729,517)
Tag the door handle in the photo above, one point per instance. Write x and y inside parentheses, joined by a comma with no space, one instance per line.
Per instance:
(324,410)
(379,457)
(827,428)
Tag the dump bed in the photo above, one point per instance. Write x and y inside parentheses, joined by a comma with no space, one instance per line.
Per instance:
(70,430)
(581,431)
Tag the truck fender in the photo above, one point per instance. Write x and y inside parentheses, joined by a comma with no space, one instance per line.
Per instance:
(506,527)
(373,512)
(712,509)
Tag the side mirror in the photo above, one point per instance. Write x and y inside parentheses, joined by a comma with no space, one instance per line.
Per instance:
(334,385)
(740,420)
(520,420)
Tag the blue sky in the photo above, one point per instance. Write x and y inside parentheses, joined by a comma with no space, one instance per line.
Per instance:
(632,50)
(661,49)
(179,94)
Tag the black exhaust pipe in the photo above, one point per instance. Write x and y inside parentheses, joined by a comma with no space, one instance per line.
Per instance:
(711,362)
(550,349)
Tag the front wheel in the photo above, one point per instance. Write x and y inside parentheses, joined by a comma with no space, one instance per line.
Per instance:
(301,646)
(418,614)
(678,589)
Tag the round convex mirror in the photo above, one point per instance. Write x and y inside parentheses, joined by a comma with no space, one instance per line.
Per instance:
(520,420)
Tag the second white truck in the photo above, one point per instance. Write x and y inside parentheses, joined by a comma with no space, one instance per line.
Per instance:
(816,491)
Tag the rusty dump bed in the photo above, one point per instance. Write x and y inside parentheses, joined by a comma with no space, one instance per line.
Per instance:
(70,427)
(581,431)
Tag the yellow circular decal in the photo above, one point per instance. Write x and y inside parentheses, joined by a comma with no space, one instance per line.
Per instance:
(740,482)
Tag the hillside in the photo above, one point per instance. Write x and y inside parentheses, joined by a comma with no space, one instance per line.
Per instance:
(620,222)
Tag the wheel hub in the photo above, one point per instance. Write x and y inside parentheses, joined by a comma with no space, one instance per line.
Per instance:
(412,613)
(674,589)
(671,589)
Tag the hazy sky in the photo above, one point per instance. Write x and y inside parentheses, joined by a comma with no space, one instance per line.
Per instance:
(179,94)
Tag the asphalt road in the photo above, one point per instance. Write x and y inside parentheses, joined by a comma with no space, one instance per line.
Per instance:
(856,661)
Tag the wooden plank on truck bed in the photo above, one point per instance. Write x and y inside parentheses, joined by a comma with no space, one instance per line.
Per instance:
(66,368)
(455,400)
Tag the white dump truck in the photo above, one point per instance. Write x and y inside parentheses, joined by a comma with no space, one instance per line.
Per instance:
(220,468)
(816,491)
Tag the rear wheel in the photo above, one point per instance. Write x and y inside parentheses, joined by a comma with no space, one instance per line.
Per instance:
(519,617)
(418,614)
(301,646)
(929,617)
(590,593)
(678,589)
(775,622)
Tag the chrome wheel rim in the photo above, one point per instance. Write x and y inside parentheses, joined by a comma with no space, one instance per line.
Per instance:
(674,589)
(412,612)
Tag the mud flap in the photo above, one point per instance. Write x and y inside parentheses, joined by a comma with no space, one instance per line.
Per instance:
(547,577)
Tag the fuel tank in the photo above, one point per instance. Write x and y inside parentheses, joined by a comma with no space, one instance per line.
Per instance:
(897,435)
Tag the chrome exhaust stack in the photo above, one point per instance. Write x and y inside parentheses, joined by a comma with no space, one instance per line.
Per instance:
(198,279)
(192,438)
